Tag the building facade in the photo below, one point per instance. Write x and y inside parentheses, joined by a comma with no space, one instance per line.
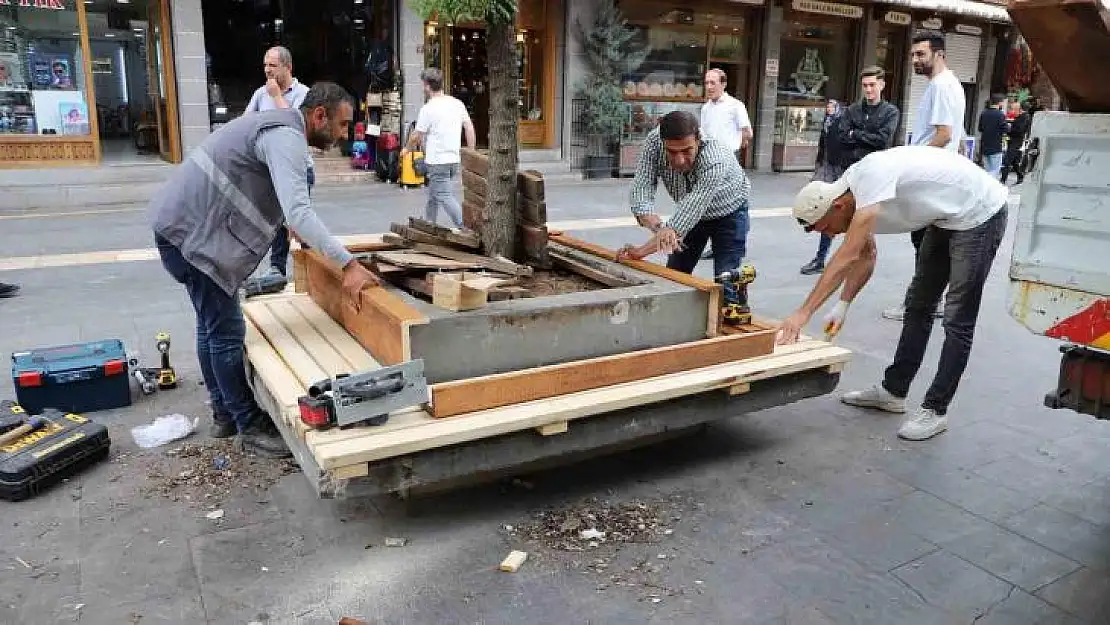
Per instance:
(84,81)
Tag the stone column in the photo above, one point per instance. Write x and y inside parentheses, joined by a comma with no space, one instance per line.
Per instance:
(560,27)
(410,40)
(575,69)
(192,77)
(768,89)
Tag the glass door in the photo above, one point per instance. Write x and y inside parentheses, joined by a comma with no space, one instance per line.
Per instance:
(162,80)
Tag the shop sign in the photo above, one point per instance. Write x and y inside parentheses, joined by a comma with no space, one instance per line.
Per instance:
(897,17)
(933,23)
(968,29)
(53,5)
(828,8)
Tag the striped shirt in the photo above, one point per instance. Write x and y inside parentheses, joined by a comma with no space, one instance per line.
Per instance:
(714,188)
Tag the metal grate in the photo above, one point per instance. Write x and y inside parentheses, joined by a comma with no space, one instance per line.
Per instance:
(576,151)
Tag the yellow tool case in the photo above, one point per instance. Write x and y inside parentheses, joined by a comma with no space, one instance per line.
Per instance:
(60,445)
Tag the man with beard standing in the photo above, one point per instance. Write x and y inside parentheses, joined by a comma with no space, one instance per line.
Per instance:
(939,121)
(213,222)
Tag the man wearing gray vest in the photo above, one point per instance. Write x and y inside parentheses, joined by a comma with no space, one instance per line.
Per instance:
(213,222)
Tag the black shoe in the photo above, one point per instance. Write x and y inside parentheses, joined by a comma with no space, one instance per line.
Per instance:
(266,284)
(261,438)
(8,290)
(813,267)
(222,426)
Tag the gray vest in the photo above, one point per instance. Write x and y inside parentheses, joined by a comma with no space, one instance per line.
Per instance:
(219,207)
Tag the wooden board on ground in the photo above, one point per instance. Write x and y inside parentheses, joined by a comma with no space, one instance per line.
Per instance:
(474,261)
(583,269)
(641,265)
(420,260)
(464,238)
(493,391)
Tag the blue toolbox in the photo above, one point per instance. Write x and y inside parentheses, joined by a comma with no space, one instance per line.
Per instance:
(83,377)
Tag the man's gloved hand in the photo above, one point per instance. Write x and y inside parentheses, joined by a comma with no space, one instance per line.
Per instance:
(835,319)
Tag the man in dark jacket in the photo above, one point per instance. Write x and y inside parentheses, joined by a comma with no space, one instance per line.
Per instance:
(864,127)
(1015,137)
(992,125)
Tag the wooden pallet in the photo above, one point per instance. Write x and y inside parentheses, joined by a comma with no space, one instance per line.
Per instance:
(291,342)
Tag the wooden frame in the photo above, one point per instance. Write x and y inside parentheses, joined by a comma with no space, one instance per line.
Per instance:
(168,74)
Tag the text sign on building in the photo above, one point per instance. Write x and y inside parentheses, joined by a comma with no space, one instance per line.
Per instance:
(772,69)
(53,5)
(933,23)
(828,8)
(968,29)
(897,17)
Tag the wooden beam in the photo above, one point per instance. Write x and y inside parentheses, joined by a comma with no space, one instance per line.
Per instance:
(464,238)
(503,389)
(493,264)
(474,183)
(583,269)
(381,324)
(300,272)
(420,260)
(530,184)
(531,211)
(475,161)
(474,214)
(642,265)
(419,236)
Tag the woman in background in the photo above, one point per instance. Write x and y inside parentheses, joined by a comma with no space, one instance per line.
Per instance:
(828,169)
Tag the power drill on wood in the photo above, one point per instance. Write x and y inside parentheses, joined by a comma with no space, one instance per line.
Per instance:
(735,283)
(167,377)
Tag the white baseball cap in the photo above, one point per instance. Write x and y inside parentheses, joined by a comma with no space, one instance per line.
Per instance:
(816,198)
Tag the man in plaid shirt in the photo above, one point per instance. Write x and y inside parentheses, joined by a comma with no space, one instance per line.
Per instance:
(710,191)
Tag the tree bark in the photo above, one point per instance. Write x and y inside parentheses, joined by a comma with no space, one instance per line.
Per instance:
(499,233)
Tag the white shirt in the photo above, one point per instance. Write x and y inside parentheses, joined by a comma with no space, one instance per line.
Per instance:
(441,120)
(724,119)
(921,186)
(294,96)
(942,105)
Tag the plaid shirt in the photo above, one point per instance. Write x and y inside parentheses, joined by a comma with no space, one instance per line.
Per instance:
(714,188)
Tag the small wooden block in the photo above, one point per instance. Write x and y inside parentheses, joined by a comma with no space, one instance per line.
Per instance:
(351,471)
(530,183)
(533,239)
(836,368)
(739,389)
(513,562)
(531,211)
(450,291)
(551,429)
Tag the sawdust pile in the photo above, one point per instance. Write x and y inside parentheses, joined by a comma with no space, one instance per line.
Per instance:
(557,282)
(593,523)
(209,472)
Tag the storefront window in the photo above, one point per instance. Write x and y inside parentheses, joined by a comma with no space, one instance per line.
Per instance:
(42,70)
(530,50)
(815,65)
(675,67)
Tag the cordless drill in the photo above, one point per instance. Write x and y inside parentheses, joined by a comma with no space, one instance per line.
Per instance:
(735,283)
(167,377)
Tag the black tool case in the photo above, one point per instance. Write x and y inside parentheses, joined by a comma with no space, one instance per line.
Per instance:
(66,444)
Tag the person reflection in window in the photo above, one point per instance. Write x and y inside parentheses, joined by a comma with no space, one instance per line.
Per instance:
(59,78)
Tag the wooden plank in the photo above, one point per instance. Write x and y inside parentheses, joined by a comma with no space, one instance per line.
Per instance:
(300,275)
(275,374)
(435,433)
(551,429)
(330,361)
(473,198)
(474,183)
(474,260)
(530,183)
(465,238)
(295,356)
(381,325)
(647,267)
(474,214)
(355,355)
(351,471)
(411,235)
(530,211)
(503,389)
(397,240)
(583,269)
(713,322)
(533,242)
(421,260)
(475,161)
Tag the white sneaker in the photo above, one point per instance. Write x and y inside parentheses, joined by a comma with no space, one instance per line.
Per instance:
(875,397)
(923,425)
(897,313)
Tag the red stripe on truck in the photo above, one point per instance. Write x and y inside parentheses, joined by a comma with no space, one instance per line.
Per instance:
(1084,327)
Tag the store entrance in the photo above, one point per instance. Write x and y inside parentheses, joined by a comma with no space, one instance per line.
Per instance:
(469,78)
(134,82)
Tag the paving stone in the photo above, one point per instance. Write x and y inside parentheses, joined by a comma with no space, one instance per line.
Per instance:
(1036,476)
(968,445)
(953,584)
(1064,533)
(1011,557)
(962,488)
(928,517)
(1021,608)
(1090,502)
(1085,593)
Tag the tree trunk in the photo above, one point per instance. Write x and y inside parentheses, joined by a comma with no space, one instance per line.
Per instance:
(500,229)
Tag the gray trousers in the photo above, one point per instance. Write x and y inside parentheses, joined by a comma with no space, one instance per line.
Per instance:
(441,193)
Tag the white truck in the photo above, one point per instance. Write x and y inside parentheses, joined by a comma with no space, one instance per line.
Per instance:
(1060,268)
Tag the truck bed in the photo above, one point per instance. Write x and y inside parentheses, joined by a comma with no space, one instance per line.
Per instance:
(291,342)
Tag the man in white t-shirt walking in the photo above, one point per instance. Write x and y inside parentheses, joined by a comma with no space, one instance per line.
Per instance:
(724,118)
(961,210)
(439,127)
(940,116)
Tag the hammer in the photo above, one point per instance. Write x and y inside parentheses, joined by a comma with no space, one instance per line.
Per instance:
(31,425)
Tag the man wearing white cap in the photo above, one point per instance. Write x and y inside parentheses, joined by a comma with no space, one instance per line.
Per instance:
(963,211)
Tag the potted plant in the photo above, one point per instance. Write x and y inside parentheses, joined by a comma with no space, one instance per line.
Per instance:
(610,54)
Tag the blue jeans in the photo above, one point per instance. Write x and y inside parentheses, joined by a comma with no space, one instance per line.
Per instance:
(823,248)
(441,193)
(220,334)
(279,249)
(992,163)
(729,235)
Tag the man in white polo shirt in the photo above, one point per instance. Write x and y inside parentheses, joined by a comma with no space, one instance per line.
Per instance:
(961,211)
(724,118)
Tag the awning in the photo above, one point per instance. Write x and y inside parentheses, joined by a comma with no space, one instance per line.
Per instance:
(979,10)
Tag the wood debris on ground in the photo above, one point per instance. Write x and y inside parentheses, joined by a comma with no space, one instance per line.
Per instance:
(208,473)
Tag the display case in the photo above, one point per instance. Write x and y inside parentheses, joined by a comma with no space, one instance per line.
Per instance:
(643,117)
(797,133)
